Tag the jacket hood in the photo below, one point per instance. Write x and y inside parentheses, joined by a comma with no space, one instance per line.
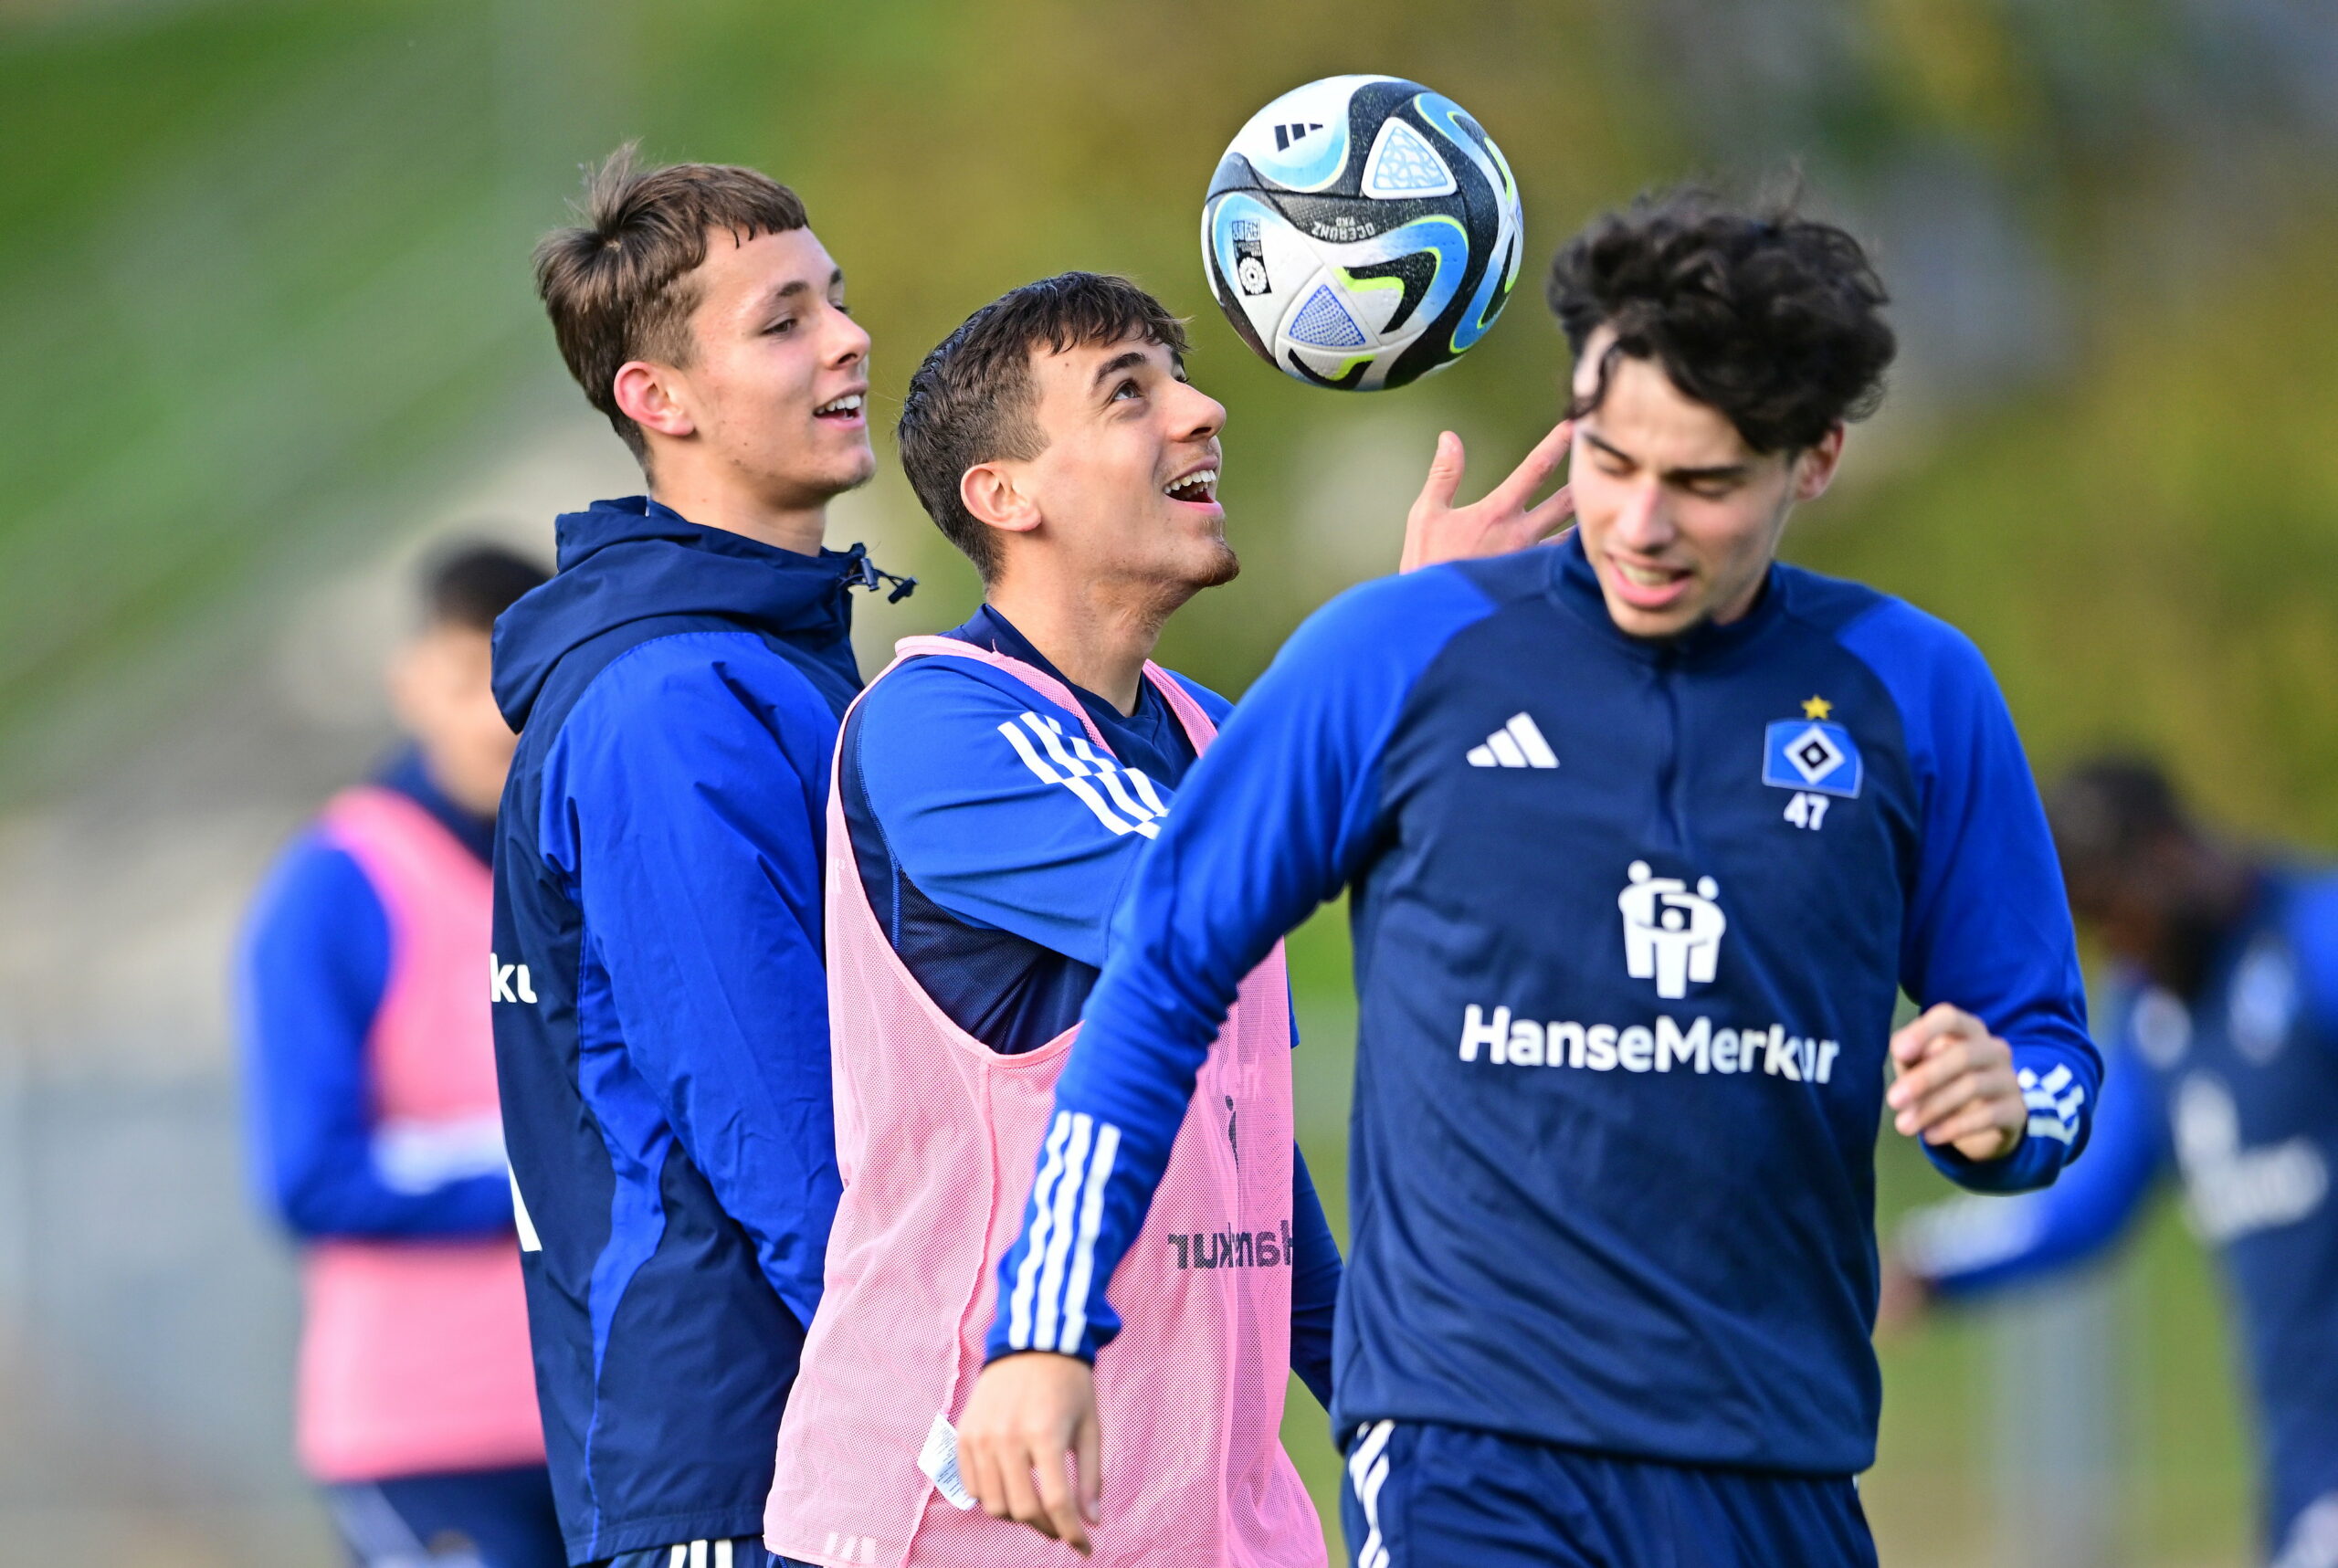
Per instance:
(632,559)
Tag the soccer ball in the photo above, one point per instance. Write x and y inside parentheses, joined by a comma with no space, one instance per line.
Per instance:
(1362,232)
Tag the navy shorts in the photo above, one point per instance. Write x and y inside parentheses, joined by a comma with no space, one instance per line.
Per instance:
(466,1519)
(1420,1495)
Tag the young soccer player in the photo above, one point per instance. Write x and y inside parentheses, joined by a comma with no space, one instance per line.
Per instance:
(1645,833)
(994,791)
(2225,1029)
(661,1009)
(371,1077)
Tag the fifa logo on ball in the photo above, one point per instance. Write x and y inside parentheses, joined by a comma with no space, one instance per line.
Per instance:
(1250,266)
(1671,935)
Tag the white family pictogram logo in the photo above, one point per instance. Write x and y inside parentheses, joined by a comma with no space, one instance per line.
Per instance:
(1671,935)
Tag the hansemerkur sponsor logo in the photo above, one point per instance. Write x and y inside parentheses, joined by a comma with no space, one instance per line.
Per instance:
(1234,1248)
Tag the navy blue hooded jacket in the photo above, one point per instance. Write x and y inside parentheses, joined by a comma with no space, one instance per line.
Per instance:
(660,1005)
(1630,917)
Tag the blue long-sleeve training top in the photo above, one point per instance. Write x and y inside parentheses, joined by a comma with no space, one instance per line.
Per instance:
(996,879)
(2235,1092)
(662,1005)
(310,974)
(1630,919)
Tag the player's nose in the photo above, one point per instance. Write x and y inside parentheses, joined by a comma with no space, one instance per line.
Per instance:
(847,341)
(1645,522)
(1198,415)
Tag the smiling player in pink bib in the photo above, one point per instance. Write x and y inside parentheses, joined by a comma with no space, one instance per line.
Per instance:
(994,788)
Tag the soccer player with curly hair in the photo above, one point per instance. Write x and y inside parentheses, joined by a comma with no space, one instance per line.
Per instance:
(1645,833)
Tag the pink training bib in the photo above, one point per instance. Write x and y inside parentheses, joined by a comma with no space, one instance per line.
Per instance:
(414,1355)
(937,1136)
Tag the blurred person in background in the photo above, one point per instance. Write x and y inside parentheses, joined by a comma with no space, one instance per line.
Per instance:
(661,1025)
(2223,1032)
(376,1141)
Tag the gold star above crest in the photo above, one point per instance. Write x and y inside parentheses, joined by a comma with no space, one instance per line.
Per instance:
(1817,708)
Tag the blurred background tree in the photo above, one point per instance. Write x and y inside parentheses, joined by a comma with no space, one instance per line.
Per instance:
(263,282)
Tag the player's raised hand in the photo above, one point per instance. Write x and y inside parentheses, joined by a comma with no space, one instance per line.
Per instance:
(1505,519)
(1029,1416)
(1956,1085)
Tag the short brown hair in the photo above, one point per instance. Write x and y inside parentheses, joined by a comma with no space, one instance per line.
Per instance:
(970,402)
(616,285)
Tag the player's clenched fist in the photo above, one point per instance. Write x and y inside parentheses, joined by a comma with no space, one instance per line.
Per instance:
(1028,1414)
(1956,1085)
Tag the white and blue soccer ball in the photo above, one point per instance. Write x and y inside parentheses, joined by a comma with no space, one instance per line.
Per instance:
(1362,232)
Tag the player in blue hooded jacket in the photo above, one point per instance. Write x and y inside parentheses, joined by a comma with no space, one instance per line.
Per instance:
(661,1003)
(2224,1021)
(1645,833)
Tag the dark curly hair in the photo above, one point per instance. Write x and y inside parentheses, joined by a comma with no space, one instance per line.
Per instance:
(1775,320)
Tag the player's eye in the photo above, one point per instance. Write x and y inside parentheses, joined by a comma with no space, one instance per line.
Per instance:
(1126,389)
(784,324)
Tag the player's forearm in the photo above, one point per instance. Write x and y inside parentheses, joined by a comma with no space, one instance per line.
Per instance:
(1974,1247)
(1107,1147)
(2059,1086)
(350,1203)
(1259,837)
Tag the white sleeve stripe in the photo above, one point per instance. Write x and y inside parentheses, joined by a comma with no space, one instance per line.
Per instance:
(1060,1228)
(1083,751)
(1095,803)
(1092,1222)
(1031,759)
(1107,770)
(1027,1278)
(1152,796)
(1123,799)
(1050,735)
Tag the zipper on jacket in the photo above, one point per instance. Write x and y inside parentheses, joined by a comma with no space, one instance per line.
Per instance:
(1670,781)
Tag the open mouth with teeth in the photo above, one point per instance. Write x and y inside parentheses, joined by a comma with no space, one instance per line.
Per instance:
(1197,489)
(845,407)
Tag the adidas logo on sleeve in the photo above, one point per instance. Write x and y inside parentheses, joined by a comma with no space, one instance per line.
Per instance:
(1517,744)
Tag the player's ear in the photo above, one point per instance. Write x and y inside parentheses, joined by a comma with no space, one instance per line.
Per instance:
(992,496)
(1815,466)
(652,396)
